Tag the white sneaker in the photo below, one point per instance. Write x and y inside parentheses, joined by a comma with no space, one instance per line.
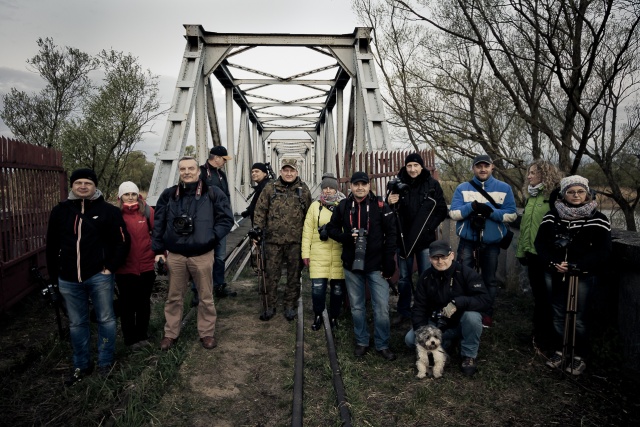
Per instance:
(576,367)
(555,361)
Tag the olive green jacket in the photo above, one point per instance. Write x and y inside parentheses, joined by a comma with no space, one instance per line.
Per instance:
(534,210)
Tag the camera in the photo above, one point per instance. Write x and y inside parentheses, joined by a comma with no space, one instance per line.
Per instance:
(255,234)
(51,291)
(396,186)
(161,268)
(183,225)
(439,319)
(562,241)
(477,221)
(324,234)
(361,249)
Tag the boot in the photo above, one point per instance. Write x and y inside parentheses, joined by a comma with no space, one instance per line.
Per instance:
(317,323)
(222,292)
(334,323)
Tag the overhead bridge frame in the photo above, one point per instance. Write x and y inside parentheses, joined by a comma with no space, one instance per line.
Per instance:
(208,54)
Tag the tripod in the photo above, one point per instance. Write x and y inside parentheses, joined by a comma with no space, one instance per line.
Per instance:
(569,336)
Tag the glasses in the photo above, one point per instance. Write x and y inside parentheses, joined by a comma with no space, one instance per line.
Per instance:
(439,257)
(577,193)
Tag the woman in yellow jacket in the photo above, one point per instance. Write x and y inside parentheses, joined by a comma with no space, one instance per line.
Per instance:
(322,255)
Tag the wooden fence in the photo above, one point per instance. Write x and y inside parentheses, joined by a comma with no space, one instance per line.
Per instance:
(32,182)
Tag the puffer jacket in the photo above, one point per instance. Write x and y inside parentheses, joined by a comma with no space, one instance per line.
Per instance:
(141,257)
(281,210)
(324,256)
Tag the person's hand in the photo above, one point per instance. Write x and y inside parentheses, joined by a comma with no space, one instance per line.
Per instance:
(106,271)
(449,310)
(523,261)
(482,209)
(244,214)
(305,261)
(393,198)
(161,257)
(563,267)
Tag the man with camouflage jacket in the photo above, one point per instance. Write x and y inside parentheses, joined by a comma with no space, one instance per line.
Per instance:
(280,213)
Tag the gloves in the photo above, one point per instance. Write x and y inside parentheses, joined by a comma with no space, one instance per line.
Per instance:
(482,209)
(523,261)
(449,310)
(245,214)
(305,261)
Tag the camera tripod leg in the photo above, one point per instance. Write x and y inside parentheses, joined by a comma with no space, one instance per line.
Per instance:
(568,348)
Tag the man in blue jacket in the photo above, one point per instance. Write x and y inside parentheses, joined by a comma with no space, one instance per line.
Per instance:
(481,223)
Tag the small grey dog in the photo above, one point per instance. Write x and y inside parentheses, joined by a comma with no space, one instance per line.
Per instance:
(429,341)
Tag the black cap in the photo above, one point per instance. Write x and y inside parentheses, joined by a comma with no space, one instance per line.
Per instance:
(415,158)
(219,150)
(260,166)
(439,247)
(83,174)
(482,158)
(359,177)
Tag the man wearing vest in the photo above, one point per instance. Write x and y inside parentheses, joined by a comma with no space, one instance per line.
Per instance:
(280,213)
(482,207)
(366,228)
(419,207)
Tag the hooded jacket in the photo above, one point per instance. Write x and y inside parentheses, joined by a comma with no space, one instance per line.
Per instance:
(141,258)
(84,237)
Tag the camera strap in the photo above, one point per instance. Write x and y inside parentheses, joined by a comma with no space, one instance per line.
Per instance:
(353,210)
(485,194)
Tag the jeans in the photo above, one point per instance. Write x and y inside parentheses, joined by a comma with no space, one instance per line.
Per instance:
(220,252)
(558,289)
(319,296)
(405,283)
(99,288)
(379,289)
(488,264)
(468,332)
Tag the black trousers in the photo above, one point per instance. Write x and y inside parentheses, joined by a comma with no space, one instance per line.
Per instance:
(543,330)
(135,304)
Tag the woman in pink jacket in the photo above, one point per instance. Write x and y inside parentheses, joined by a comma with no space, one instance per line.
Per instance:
(136,277)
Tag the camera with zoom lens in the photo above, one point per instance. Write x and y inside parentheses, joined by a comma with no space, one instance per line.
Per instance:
(324,234)
(438,318)
(183,225)
(255,234)
(396,186)
(562,241)
(361,249)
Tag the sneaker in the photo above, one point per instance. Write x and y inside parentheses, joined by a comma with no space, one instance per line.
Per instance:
(317,323)
(77,375)
(576,367)
(290,314)
(469,366)
(555,361)
(267,314)
(487,321)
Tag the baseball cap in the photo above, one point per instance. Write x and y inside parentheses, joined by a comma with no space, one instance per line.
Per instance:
(219,150)
(360,177)
(293,163)
(439,248)
(482,158)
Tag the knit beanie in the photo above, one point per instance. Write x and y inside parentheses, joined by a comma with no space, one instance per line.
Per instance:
(127,187)
(83,174)
(414,157)
(260,166)
(573,180)
(329,180)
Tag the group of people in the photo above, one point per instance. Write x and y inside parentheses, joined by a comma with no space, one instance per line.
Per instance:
(349,243)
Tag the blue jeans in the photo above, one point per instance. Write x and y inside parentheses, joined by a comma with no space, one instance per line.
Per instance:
(488,264)
(405,283)
(379,289)
(319,296)
(468,332)
(558,291)
(219,253)
(76,296)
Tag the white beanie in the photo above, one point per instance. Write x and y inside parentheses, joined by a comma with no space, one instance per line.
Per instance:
(127,187)
(573,180)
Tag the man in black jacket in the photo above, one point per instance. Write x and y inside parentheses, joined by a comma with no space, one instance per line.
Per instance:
(362,218)
(451,296)
(190,219)
(87,241)
(420,207)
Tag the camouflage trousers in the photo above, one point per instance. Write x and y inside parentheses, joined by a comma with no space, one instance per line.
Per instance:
(276,256)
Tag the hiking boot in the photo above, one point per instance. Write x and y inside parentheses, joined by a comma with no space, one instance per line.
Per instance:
(268,314)
(487,321)
(167,343)
(387,354)
(77,375)
(576,367)
(317,324)
(555,361)
(221,291)
(289,314)
(399,320)
(360,350)
(469,366)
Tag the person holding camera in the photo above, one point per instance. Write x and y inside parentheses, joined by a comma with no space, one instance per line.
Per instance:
(213,173)
(481,208)
(190,219)
(450,296)
(542,188)
(87,240)
(418,201)
(574,239)
(280,213)
(260,174)
(135,278)
(365,226)
(322,255)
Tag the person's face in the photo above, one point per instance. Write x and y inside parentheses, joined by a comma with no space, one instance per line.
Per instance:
(534,176)
(575,195)
(414,169)
(257,175)
(328,191)
(360,189)
(129,197)
(217,161)
(442,262)
(483,171)
(83,188)
(288,174)
(189,171)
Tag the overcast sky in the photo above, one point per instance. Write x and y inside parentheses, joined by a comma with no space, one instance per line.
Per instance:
(151,30)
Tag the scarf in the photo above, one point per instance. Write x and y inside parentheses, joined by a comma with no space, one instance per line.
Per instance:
(330,202)
(579,212)
(535,190)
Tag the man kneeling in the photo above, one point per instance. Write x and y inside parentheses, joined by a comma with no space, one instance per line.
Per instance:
(450,296)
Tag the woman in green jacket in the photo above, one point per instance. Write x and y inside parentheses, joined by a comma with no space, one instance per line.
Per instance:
(541,187)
